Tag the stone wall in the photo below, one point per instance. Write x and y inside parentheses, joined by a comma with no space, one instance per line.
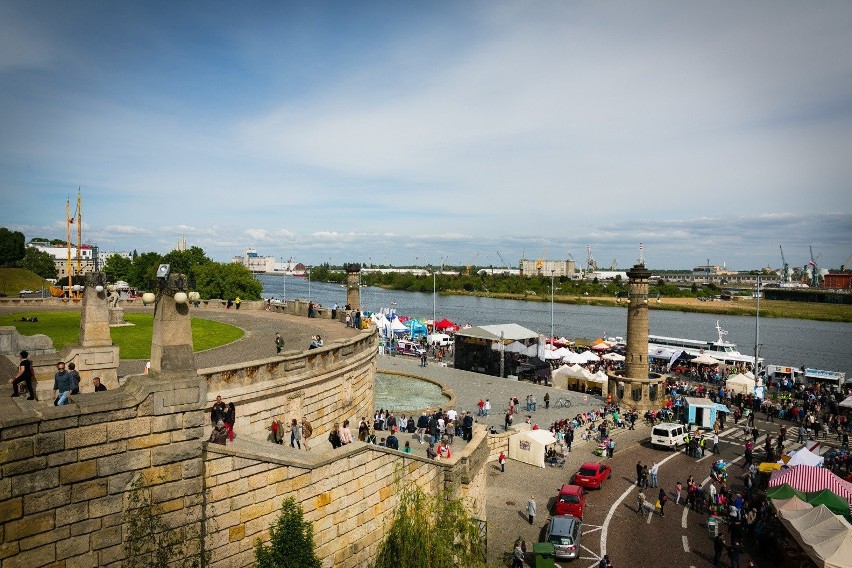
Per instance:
(327,385)
(348,494)
(66,470)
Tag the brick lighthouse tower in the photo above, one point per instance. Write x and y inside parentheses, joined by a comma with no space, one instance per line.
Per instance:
(636,387)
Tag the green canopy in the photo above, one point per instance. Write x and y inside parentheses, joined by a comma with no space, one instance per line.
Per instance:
(834,502)
(785,491)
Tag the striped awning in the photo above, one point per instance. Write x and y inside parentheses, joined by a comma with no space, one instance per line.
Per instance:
(809,478)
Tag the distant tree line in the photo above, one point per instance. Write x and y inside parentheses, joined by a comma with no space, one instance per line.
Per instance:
(210,279)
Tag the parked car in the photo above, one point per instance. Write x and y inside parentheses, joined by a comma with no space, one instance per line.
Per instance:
(591,475)
(563,532)
(571,500)
(25,292)
(406,347)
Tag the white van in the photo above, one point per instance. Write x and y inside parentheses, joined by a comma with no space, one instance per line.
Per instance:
(668,435)
(439,340)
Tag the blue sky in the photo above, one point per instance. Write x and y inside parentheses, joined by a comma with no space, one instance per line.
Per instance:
(427,132)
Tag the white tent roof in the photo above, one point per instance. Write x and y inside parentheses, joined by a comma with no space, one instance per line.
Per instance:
(847,402)
(786,506)
(573,358)
(740,383)
(589,357)
(823,535)
(529,446)
(804,456)
(705,359)
(703,402)
(614,357)
(510,331)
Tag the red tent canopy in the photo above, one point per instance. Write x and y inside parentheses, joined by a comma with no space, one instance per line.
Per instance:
(445,324)
(810,478)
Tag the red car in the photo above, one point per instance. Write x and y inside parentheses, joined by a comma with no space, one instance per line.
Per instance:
(570,501)
(592,474)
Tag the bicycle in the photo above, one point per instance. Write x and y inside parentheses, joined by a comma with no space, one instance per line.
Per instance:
(562,403)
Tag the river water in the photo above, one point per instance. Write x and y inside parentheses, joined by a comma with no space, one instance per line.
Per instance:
(793,342)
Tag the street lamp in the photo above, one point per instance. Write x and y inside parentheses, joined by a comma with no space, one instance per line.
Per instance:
(551,307)
(309,284)
(434,288)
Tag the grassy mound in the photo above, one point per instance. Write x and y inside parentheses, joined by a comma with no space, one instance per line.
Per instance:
(13,280)
(135,341)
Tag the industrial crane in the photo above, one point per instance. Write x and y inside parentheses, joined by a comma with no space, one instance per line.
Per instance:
(813,267)
(467,267)
(503,260)
(590,260)
(785,268)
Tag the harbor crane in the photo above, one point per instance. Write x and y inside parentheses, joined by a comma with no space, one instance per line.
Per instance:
(468,265)
(785,268)
(812,266)
(503,260)
(591,265)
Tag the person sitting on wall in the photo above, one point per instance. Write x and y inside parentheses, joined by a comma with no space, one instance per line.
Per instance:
(219,434)
(96,381)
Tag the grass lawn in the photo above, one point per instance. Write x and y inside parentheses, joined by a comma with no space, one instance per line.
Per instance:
(135,342)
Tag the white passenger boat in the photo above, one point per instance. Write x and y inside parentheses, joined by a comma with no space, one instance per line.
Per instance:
(720,349)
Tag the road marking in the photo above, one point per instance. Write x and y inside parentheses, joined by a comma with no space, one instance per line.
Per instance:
(591,531)
(683,518)
(685,544)
(650,514)
(611,512)
(593,555)
(711,454)
(728,431)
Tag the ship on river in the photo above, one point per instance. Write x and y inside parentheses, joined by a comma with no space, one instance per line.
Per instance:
(721,349)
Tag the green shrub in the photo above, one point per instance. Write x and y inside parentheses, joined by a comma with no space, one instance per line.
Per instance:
(291,543)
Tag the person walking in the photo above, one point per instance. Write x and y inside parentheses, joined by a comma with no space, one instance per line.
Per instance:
(307,431)
(62,385)
(718,548)
(610,448)
(640,508)
(25,375)
(531,509)
(546,400)
(715,442)
(295,434)
(678,489)
(502,461)
(662,498)
(279,342)
(639,474)
(654,470)
(734,552)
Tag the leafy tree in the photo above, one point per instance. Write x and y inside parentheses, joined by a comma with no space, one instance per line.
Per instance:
(11,246)
(227,280)
(430,531)
(39,262)
(144,269)
(186,261)
(291,543)
(117,268)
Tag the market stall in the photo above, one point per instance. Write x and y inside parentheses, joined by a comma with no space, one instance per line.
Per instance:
(530,446)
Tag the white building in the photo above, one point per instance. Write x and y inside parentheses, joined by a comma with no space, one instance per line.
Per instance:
(103,256)
(254,262)
(59,253)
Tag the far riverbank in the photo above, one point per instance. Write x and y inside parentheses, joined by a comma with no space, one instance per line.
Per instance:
(738,307)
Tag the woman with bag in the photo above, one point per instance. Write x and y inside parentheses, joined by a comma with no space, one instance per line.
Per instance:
(661,502)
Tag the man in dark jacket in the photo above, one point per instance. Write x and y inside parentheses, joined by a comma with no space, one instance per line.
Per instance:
(718,548)
(468,426)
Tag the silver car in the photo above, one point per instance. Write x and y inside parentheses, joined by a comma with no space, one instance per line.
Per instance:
(563,532)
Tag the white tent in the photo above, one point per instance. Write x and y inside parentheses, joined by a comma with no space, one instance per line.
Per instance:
(397,326)
(786,507)
(826,537)
(847,402)
(705,359)
(529,446)
(613,357)
(740,384)
(804,456)
(589,357)
(573,358)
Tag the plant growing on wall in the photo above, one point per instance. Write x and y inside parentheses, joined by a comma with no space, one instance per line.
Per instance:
(150,542)
(291,543)
(431,531)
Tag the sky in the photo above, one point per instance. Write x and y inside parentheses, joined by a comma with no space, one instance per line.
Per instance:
(429,133)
